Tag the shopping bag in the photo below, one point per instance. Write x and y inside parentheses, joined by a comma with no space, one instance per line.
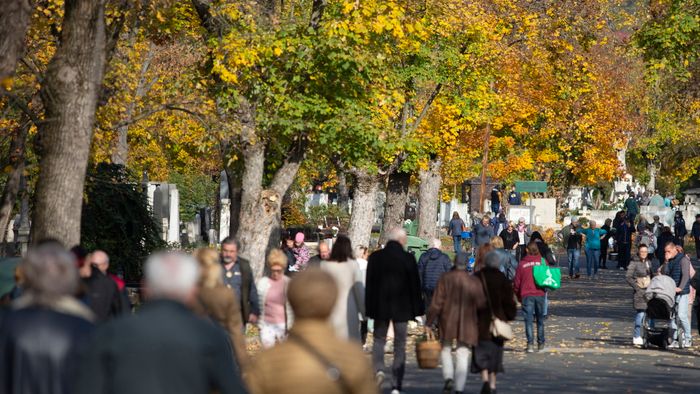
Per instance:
(547,277)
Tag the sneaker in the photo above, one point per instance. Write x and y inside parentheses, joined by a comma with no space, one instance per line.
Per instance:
(673,345)
(577,276)
(395,391)
(688,344)
(530,348)
(622,268)
(379,377)
(449,385)
(541,347)
(637,341)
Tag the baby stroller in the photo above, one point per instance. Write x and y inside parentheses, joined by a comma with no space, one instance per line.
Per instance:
(661,311)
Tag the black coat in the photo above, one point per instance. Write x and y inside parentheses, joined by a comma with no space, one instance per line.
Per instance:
(393,290)
(103,297)
(39,350)
(500,291)
(164,349)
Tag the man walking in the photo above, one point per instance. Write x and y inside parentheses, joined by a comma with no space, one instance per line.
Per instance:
(514,197)
(101,292)
(239,276)
(695,232)
(431,265)
(572,241)
(324,252)
(632,207)
(495,200)
(164,348)
(678,268)
(392,296)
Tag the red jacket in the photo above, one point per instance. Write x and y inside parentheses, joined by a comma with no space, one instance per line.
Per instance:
(524,282)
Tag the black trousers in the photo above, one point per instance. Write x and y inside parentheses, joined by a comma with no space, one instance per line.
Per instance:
(623,255)
(603,254)
(398,367)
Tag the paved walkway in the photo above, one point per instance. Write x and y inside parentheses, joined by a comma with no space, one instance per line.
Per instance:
(589,335)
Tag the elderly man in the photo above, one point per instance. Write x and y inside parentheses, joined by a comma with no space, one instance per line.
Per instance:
(313,360)
(392,295)
(239,276)
(101,292)
(164,348)
(431,265)
(100,259)
(46,328)
(324,253)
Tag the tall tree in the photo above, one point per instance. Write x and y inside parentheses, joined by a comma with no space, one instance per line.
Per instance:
(14,21)
(69,95)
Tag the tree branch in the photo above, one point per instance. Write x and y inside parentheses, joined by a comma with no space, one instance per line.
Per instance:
(161,108)
(317,13)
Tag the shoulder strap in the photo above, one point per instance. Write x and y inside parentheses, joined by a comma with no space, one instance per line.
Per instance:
(486,291)
(332,371)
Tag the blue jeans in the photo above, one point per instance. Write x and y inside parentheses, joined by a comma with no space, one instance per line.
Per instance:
(592,260)
(638,319)
(457,240)
(574,255)
(533,307)
(682,301)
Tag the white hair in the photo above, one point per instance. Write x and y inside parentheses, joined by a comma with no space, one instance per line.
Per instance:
(435,243)
(397,234)
(171,275)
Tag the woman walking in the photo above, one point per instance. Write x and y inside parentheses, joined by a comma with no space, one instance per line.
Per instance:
(275,312)
(639,276)
(455,302)
(531,297)
(487,358)
(455,229)
(350,304)
(219,303)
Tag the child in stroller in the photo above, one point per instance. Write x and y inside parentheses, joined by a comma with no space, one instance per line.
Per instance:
(661,311)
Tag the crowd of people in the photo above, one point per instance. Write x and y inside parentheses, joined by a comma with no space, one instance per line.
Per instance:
(71,327)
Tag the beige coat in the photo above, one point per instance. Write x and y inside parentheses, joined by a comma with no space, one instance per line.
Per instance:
(290,369)
(220,304)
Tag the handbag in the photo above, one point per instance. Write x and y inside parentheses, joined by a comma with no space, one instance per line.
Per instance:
(644,281)
(428,352)
(546,277)
(498,328)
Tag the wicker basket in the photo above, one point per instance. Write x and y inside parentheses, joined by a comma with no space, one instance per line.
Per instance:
(428,352)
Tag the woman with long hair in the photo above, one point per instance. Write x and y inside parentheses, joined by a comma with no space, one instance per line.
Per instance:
(487,358)
(350,305)
(219,303)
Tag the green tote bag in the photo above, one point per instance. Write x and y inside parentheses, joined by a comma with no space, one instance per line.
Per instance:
(547,277)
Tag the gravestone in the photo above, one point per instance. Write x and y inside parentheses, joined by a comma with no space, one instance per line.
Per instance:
(224,218)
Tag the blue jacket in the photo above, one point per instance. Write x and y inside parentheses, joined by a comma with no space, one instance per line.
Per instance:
(431,266)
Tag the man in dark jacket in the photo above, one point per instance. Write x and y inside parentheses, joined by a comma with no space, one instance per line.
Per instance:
(239,276)
(101,292)
(632,207)
(41,337)
(431,265)
(695,232)
(392,295)
(164,348)
(678,268)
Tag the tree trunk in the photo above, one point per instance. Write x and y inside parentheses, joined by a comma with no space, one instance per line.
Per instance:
(234,194)
(428,199)
(396,200)
(14,21)
(363,208)
(9,194)
(69,95)
(343,191)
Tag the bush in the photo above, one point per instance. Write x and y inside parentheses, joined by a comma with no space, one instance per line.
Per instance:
(117,219)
